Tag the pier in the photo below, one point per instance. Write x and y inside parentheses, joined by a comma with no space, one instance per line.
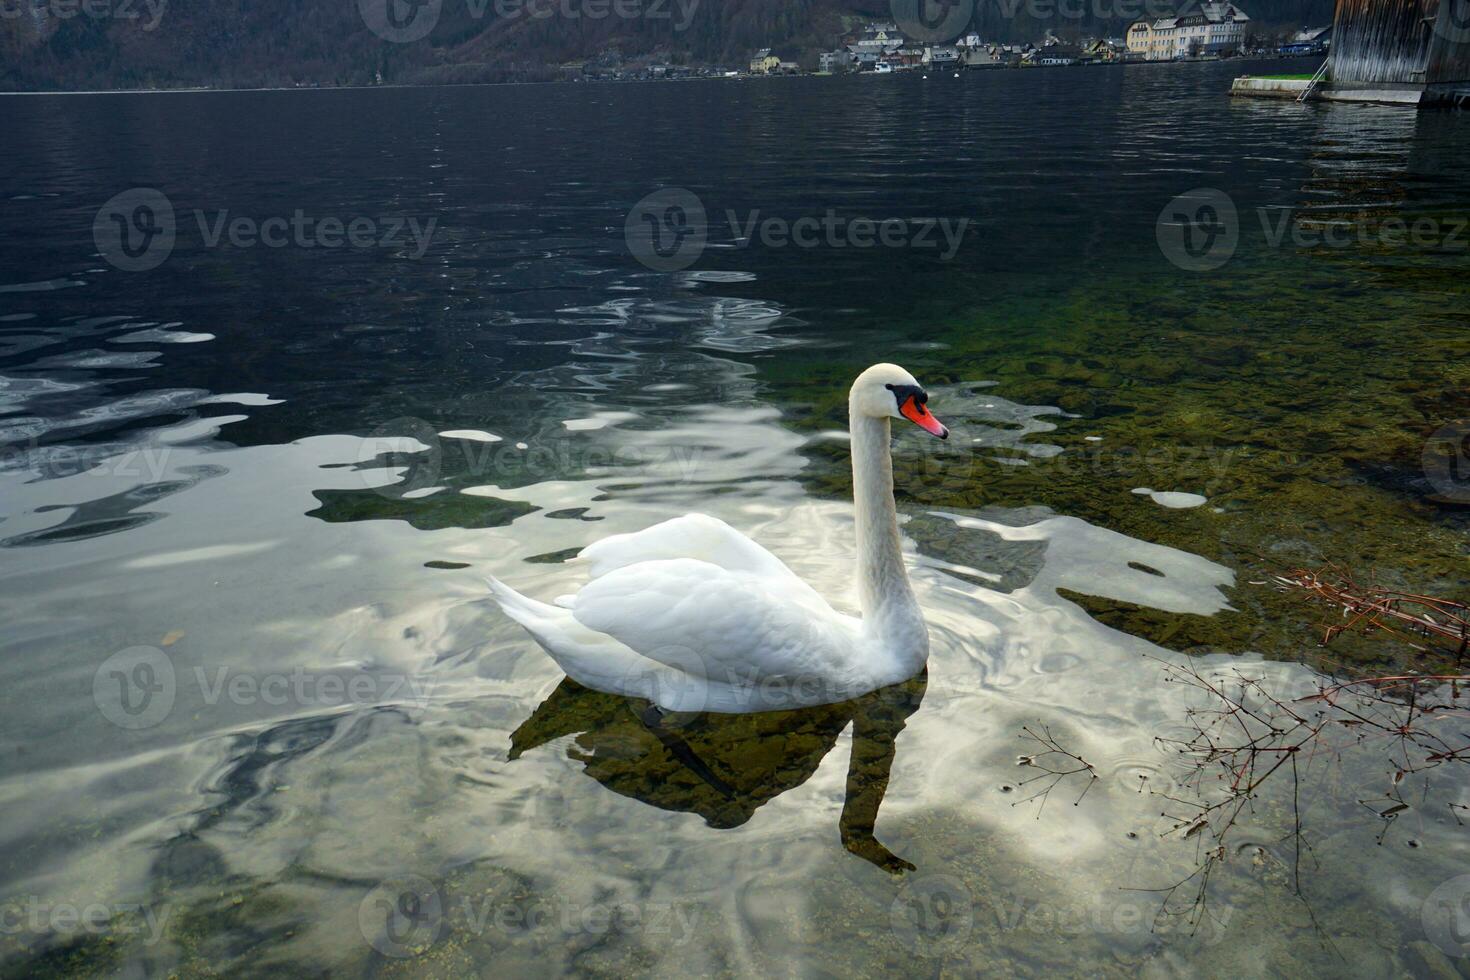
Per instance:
(1401,52)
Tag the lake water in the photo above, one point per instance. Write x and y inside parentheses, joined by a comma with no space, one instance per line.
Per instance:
(259,716)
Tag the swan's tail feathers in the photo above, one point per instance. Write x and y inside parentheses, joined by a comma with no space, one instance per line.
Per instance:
(523,609)
(588,657)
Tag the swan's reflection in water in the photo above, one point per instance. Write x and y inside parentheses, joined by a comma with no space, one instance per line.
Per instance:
(725,767)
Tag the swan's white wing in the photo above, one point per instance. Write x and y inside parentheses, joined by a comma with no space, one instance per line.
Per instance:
(729,626)
(706,539)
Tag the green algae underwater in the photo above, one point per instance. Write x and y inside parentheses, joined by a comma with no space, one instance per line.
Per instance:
(1310,435)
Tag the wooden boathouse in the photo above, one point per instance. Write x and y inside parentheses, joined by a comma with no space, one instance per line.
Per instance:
(1407,51)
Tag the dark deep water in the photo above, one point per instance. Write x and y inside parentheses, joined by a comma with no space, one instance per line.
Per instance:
(258,714)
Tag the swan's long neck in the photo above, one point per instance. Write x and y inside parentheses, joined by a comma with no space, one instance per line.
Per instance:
(890,612)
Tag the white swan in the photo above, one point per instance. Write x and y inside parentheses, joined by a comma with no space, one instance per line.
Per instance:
(694,616)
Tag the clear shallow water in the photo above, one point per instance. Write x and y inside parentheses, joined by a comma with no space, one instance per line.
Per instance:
(228,472)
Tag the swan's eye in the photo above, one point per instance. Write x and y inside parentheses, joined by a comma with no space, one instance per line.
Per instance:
(902,393)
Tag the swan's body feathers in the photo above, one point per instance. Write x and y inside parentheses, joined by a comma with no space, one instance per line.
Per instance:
(725,627)
(695,616)
(716,623)
(590,658)
(701,537)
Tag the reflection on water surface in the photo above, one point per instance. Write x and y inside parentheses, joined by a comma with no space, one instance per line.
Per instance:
(271,484)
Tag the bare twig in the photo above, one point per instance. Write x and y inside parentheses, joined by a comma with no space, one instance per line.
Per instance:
(1246,735)
(1056,764)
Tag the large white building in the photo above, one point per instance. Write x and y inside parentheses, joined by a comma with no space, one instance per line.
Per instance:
(1218,29)
(876,43)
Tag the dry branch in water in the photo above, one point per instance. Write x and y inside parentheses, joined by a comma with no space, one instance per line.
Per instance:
(1242,734)
(1246,734)
(1367,608)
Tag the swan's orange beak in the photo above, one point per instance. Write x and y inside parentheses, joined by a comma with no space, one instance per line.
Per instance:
(919,415)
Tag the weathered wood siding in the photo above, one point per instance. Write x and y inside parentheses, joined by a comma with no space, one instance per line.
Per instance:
(1382,40)
(1449,56)
(1406,42)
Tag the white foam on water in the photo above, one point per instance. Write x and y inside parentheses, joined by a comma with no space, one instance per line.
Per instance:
(473,435)
(1173,499)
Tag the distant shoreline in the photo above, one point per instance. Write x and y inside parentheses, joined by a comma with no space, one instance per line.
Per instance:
(197,90)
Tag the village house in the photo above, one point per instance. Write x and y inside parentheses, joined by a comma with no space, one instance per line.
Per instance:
(972,52)
(1217,29)
(909,57)
(764,62)
(982,56)
(1104,49)
(877,42)
(1140,39)
(835,61)
(940,56)
(1311,40)
(995,55)
(1164,41)
(1056,54)
(1192,37)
